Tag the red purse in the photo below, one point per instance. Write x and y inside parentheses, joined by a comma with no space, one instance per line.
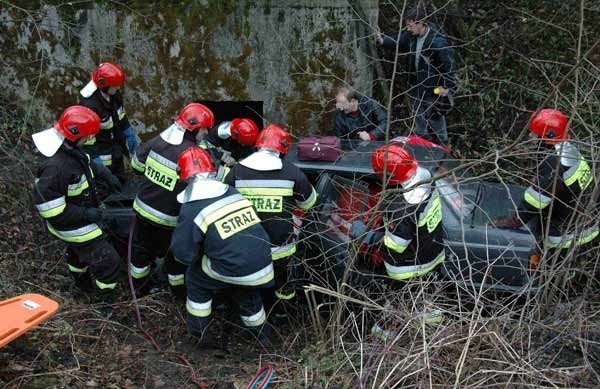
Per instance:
(319,148)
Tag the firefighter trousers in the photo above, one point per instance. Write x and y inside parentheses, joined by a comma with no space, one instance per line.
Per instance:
(149,242)
(95,262)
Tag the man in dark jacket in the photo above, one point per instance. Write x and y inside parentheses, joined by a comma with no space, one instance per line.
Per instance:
(65,196)
(358,117)
(431,78)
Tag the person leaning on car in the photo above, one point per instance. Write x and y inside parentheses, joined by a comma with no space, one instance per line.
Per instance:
(358,116)
(430,65)
(412,233)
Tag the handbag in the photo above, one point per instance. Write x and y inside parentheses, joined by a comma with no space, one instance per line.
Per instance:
(319,148)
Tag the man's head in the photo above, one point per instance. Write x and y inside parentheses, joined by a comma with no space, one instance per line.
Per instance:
(415,21)
(346,100)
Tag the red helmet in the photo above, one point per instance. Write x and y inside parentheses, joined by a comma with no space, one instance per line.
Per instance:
(274,137)
(77,122)
(549,124)
(194,116)
(194,161)
(244,131)
(401,166)
(108,74)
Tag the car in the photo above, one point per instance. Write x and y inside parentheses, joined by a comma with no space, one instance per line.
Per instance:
(480,257)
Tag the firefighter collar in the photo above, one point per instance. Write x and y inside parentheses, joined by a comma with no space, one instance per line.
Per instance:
(224,130)
(173,135)
(417,193)
(568,153)
(89,89)
(48,141)
(202,187)
(263,160)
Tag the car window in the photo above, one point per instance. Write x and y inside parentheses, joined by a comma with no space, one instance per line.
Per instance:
(496,201)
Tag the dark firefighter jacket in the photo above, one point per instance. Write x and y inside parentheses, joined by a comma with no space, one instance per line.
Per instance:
(370,117)
(274,194)
(436,65)
(63,190)
(222,237)
(110,141)
(574,186)
(412,236)
(156,200)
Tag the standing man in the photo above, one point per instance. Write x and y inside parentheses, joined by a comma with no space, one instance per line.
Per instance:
(116,138)
(275,188)
(156,207)
(431,68)
(219,237)
(358,117)
(562,188)
(412,219)
(65,196)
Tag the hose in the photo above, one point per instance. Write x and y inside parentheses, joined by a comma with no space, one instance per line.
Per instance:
(262,378)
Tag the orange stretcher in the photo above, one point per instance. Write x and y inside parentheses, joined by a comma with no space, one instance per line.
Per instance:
(20,314)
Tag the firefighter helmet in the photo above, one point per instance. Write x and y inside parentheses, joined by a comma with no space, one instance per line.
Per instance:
(274,137)
(194,161)
(400,167)
(76,122)
(549,124)
(194,116)
(108,74)
(244,131)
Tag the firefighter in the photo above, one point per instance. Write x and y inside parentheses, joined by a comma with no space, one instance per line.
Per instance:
(156,207)
(230,142)
(220,238)
(65,196)
(561,189)
(411,211)
(116,138)
(275,188)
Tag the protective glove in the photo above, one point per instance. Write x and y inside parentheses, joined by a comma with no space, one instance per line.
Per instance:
(94,215)
(512,222)
(131,140)
(104,173)
(357,231)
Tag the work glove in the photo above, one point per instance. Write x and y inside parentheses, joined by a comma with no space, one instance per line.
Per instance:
(131,140)
(512,222)
(105,174)
(227,159)
(357,231)
(94,215)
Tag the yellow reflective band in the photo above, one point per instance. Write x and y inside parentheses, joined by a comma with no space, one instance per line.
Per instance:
(52,208)
(433,317)
(137,165)
(265,204)
(154,215)
(139,272)
(236,222)
(80,235)
(589,237)
(176,279)
(74,269)
(266,191)
(78,188)
(199,309)
(395,243)
(260,277)
(280,252)
(309,202)
(255,320)
(285,296)
(158,172)
(406,272)
(222,173)
(432,214)
(565,241)
(582,174)
(106,159)
(107,124)
(91,141)
(121,113)
(221,213)
(536,199)
(102,285)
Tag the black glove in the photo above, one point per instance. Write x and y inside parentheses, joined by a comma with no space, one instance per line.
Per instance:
(94,215)
(105,174)
(115,183)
